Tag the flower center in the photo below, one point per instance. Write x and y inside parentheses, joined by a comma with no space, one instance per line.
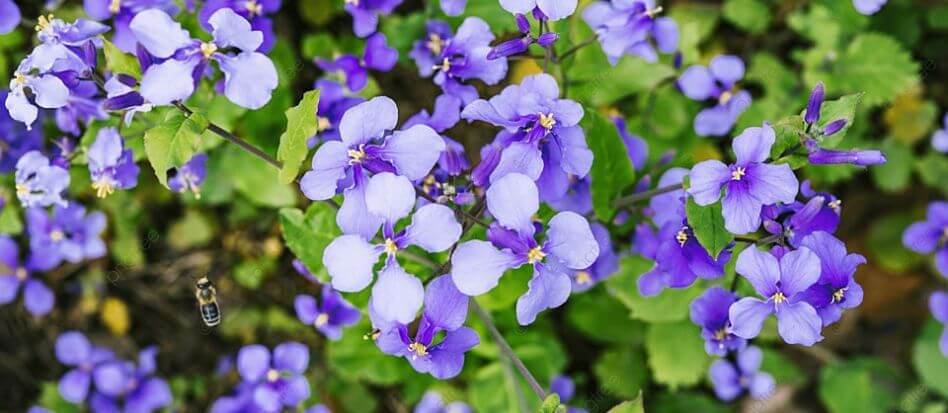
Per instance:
(356,155)
(19,78)
(254,8)
(720,334)
(321,320)
(322,123)
(682,236)
(57,235)
(21,273)
(114,6)
(839,294)
(725,97)
(390,246)
(273,375)
(535,255)
(444,66)
(419,349)
(653,12)
(779,298)
(547,121)
(435,43)
(583,277)
(208,49)
(22,190)
(835,204)
(738,173)
(43,22)
(103,188)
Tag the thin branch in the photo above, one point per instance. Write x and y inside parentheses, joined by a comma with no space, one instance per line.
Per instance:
(230,137)
(592,39)
(507,351)
(641,196)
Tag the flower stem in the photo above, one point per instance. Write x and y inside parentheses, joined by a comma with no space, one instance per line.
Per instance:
(507,351)
(576,48)
(641,196)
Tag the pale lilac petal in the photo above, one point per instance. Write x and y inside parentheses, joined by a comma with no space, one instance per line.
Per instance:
(249,79)
(518,6)
(109,378)
(397,295)
(868,7)
(50,91)
(168,81)
(747,316)
(291,356)
(295,390)
(232,30)
(37,298)
(20,109)
(267,398)
(445,306)
(727,69)
(414,151)
(74,386)
(707,178)
(434,228)
(798,323)
(753,144)
(72,348)
(741,211)
(349,260)
(799,270)
(921,237)
(571,241)
(726,380)
(761,269)
(368,120)
(941,261)
(577,158)
(547,289)
(513,200)
(354,217)
(750,359)
(253,362)
(10,16)
(453,7)
(329,166)
(697,83)
(557,9)
(9,286)
(476,266)
(762,385)
(158,33)
(519,158)
(390,197)
(773,183)
(306,308)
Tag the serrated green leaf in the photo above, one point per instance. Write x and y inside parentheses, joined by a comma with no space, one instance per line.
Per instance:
(308,235)
(173,142)
(301,125)
(707,223)
(676,354)
(752,16)
(631,406)
(119,62)
(611,170)
(876,64)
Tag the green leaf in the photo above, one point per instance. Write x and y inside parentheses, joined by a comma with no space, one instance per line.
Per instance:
(687,402)
(612,170)
(51,399)
(603,318)
(752,16)
(119,62)
(933,170)
(256,179)
(788,132)
(308,235)
(300,126)
(632,406)
(668,306)
(876,64)
(497,388)
(552,405)
(896,173)
(930,364)
(622,371)
(885,242)
(192,230)
(10,222)
(707,222)
(173,142)
(784,371)
(860,385)
(676,354)
(599,83)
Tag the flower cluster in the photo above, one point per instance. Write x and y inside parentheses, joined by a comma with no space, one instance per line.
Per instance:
(270,381)
(631,28)
(717,82)
(354,70)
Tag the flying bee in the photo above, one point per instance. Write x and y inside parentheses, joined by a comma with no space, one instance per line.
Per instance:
(207,301)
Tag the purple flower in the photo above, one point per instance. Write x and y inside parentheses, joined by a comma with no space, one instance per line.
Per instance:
(255,11)
(15,139)
(74,350)
(522,44)
(123,12)
(432,402)
(710,312)
(350,259)
(636,146)
(456,58)
(679,260)
(940,138)
(367,146)
(939,306)
(249,76)
(190,176)
(275,380)
(564,387)
(670,206)
(782,285)
(750,183)
(37,297)
(630,27)
(121,95)
(542,133)
(837,289)
(333,103)
(39,184)
(607,263)
(329,315)
(447,113)
(732,379)
(550,9)
(931,235)
(9,16)
(572,195)
(570,245)
(120,382)
(365,14)
(445,311)
(111,166)
(868,7)
(716,82)
(69,235)
(377,56)
(797,220)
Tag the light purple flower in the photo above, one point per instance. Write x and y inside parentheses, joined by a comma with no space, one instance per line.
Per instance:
(607,263)
(931,235)
(782,285)
(456,58)
(275,380)
(367,145)
(570,245)
(15,139)
(365,14)
(38,183)
(329,315)
(749,183)
(868,7)
(710,312)
(350,259)
(74,350)
(445,311)
(354,70)
(837,289)
(255,11)
(521,44)
(551,9)
(939,306)
(111,166)
(249,76)
(122,13)
(432,402)
(679,259)
(190,176)
(9,16)
(636,147)
(716,82)
(124,386)
(447,113)
(732,379)
(797,220)
(121,95)
(69,234)
(333,104)
(37,297)
(940,138)
(630,27)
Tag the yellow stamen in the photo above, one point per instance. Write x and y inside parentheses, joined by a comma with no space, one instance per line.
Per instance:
(535,255)
(445,65)
(835,204)
(22,190)
(419,349)
(547,121)
(254,8)
(653,12)
(103,188)
(435,43)
(208,49)
(43,22)
(738,173)
(682,236)
(356,155)
(374,335)
(321,320)
(273,375)
(390,247)
(839,294)
(725,97)
(322,123)
(57,235)
(429,183)
(21,273)
(779,298)
(114,6)
(583,277)
(19,78)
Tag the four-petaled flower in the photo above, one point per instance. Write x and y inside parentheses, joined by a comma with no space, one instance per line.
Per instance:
(716,82)
(931,235)
(37,297)
(710,312)
(732,379)
(329,315)
(38,183)
(625,27)
(110,164)
(837,289)
(275,380)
